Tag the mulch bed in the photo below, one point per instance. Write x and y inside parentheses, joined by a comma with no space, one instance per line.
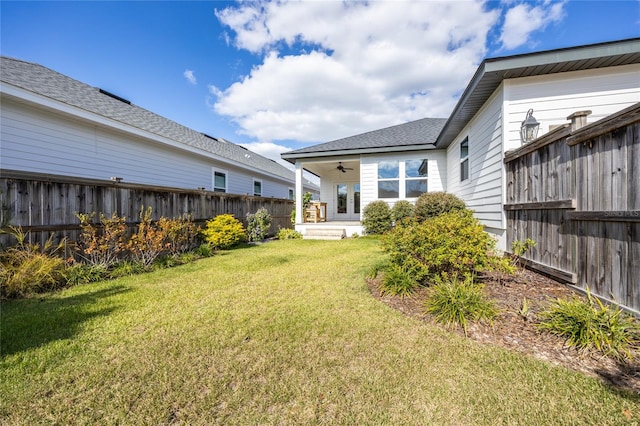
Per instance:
(515,332)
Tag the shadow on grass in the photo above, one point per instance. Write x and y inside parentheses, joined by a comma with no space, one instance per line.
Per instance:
(31,323)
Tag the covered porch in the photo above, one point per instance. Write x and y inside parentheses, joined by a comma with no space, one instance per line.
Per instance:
(336,212)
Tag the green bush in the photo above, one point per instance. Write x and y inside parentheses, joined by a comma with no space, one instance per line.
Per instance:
(398,281)
(204,250)
(28,268)
(127,268)
(455,302)
(288,234)
(81,273)
(431,204)
(258,224)
(452,243)
(224,231)
(402,209)
(376,218)
(591,324)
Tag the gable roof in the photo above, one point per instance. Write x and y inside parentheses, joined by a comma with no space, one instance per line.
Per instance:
(45,82)
(493,71)
(414,135)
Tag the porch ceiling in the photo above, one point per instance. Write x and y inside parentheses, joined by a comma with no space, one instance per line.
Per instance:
(328,169)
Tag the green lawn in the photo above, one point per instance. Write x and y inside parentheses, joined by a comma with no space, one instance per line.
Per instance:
(280,333)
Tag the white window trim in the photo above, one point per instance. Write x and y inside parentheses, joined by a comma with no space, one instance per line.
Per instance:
(253,188)
(291,193)
(398,179)
(462,160)
(418,178)
(402,179)
(213,179)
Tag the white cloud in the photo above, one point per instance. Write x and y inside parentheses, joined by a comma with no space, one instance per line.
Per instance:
(190,76)
(524,19)
(332,69)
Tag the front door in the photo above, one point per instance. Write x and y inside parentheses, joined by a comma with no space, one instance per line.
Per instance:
(348,201)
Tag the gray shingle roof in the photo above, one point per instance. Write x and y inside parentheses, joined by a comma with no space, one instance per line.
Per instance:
(46,82)
(419,132)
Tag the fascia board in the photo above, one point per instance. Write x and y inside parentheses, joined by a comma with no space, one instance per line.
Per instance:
(344,152)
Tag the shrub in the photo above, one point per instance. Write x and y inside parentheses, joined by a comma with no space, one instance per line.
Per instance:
(102,244)
(81,273)
(148,242)
(455,302)
(398,281)
(402,209)
(258,224)
(431,204)
(376,217)
(288,234)
(28,268)
(204,250)
(591,324)
(452,243)
(181,234)
(224,231)
(127,268)
(306,199)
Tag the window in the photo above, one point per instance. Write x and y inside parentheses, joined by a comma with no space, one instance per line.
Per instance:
(257,188)
(291,194)
(388,179)
(219,181)
(416,172)
(464,159)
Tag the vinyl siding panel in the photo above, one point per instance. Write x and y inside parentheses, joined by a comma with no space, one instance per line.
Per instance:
(555,97)
(482,192)
(48,142)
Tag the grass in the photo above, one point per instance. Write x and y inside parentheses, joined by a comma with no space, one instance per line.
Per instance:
(279,333)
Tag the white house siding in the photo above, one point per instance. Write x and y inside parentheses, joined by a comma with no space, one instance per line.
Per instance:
(482,192)
(554,97)
(43,141)
(437,172)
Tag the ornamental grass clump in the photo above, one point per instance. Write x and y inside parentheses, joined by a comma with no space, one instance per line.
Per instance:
(29,268)
(398,281)
(589,324)
(456,302)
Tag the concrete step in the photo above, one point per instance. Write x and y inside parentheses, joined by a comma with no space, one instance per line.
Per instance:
(325,234)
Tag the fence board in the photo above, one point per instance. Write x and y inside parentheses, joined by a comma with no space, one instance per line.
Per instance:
(580,202)
(47,205)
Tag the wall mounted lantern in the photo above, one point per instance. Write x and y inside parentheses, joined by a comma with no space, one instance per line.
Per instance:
(529,128)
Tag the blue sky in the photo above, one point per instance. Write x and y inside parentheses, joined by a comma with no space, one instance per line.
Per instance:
(280,76)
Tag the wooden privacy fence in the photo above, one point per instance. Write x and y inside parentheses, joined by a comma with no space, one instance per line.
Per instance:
(47,205)
(576,192)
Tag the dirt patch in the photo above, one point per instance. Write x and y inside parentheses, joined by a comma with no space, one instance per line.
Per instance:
(516,332)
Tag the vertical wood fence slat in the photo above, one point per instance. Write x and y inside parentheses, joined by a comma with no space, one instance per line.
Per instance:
(598,242)
(46,205)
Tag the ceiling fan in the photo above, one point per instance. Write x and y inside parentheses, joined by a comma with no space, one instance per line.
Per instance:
(342,168)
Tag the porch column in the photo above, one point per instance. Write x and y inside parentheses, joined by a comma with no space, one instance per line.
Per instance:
(299,193)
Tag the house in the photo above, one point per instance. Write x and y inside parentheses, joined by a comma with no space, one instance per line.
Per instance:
(463,154)
(55,125)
